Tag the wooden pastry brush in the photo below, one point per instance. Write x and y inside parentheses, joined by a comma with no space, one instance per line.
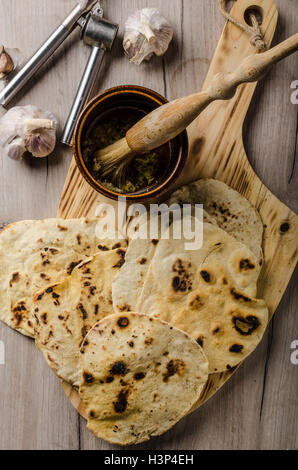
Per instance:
(169,120)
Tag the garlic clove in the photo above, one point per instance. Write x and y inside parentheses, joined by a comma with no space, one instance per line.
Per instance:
(16,149)
(147,32)
(6,64)
(41,143)
(10,59)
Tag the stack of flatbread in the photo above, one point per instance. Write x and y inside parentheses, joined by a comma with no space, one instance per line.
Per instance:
(137,327)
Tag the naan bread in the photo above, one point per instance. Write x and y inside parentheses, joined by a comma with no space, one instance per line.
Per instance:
(35,253)
(140,376)
(209,293)
(232,212)
(65,312)
(128,285)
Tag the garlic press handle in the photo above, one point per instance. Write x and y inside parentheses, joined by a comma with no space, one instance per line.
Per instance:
(83,93)
(43,54)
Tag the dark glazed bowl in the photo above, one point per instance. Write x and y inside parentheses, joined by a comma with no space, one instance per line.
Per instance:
(140,99)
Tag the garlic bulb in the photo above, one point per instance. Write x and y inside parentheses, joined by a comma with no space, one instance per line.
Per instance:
(27,129)
(9,60)
(147,32)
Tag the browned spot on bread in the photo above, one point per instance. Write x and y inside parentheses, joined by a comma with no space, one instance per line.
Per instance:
(200,341)
(54,251)
(91,414)
(155,242)
(123,322)
(216,329)
(139,375)
(45,277)
(109,379)
(49,290)
(143,261)
(246,265)
(96,309)
(44,318)
(182,282)
(117,245)
(121,262)
(79,239)
(120,404)
(51,359)
(82,310)
(148,341)
(131,344)
(61,228)
(206,276)
(92,290)
(18,318)
(236,348)
(103,248)
(18,311)
(196,302)
(239,296)
(14,278)
(246,325)
(284,228)
(124,308)
(174,366)
(84,331)
(88,377)
(119,368)
(72,266)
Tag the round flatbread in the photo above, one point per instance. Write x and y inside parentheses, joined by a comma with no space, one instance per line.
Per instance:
(128,285)
(65,312)
(232,212)
(209,293)
(36,253)
(140,376)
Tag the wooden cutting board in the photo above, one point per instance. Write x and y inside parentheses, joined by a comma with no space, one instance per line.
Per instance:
(217,151)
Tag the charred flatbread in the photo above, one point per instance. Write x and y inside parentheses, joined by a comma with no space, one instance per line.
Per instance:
(65,312)
(140,376)
(36,253)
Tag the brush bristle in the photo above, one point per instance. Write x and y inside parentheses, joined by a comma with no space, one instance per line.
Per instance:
(114,160)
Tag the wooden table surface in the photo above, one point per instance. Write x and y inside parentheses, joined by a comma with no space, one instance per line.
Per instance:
(258,407)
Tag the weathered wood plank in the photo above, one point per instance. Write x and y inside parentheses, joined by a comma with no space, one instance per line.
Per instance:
(33,409)
(34,412)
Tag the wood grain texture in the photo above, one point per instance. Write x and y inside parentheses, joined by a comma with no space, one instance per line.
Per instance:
(258,407)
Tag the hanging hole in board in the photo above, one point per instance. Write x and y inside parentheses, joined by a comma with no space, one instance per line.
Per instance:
(229,5)
(256,11)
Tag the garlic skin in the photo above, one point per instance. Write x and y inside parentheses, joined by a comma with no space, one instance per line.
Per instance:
(6,64)
(10,59)
(27,129)
(147,32)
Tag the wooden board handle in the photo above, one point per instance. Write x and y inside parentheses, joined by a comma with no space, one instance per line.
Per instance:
(166,122)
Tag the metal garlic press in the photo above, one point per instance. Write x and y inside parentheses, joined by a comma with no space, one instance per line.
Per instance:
(96,32)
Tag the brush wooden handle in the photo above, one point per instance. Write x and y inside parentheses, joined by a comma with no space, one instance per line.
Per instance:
(170,120)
